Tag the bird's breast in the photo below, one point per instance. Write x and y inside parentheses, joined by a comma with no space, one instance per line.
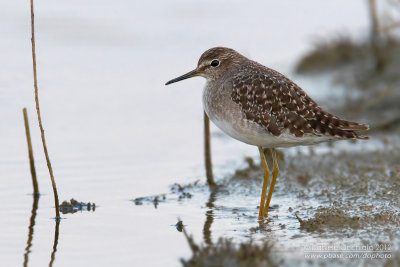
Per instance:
(229,117)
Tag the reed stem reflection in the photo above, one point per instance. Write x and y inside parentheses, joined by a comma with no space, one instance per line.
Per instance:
(35,205)
(56,233)
(209,216)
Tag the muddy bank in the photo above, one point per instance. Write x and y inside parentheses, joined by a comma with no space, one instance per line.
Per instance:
(227,253)
(371,95)
(345,196)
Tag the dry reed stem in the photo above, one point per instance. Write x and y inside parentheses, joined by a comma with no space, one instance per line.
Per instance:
(30,152)
(207,151)
(376,38)
(38,114)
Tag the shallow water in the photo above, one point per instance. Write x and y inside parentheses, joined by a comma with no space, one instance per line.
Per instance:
(115,132)
(341,201)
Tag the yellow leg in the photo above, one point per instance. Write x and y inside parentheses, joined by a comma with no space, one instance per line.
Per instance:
(275,172)
(265,182)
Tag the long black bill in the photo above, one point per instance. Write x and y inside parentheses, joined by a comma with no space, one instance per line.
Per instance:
(188,75)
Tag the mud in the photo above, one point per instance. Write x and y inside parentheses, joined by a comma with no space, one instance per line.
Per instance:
(74,206)
(227,253)
(178,192)
(345,195)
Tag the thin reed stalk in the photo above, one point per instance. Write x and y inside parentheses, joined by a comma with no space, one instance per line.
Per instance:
(30,152)
(207,151)
(38,114)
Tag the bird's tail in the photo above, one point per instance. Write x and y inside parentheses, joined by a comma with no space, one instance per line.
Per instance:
(342,128)
(354,128)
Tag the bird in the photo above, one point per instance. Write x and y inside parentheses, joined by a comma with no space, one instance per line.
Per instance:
(262,107)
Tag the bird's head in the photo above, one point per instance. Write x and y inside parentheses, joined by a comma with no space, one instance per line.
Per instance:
(213,63)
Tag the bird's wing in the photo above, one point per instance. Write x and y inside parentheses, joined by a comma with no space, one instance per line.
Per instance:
(272,100)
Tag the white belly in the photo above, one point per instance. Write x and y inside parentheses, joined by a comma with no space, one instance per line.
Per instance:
(258,136)
(217,102)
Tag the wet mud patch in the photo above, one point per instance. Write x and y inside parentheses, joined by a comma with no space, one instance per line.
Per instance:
(227,253)
(155,200)
(336,219)
(74,206)
(346,195)
(353,190)
(329,218)
(177,192)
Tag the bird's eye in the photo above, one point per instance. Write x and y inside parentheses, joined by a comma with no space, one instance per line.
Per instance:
(215,63)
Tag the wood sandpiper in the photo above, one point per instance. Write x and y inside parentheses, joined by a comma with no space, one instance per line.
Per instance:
(262,107)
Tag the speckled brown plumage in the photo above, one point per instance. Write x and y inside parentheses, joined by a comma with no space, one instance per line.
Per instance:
(272,100)
(260,106)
